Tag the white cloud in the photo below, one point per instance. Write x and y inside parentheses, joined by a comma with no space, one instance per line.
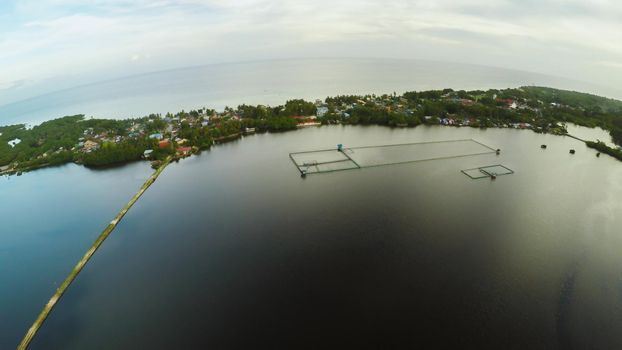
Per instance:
(96,39)
(616,65)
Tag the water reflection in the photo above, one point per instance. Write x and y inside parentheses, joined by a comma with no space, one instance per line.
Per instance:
(232,249)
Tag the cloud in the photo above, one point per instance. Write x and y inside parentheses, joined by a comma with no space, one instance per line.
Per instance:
(616,65)
(61,40)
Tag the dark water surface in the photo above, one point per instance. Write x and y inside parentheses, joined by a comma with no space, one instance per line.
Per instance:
(48,219)
(232,249)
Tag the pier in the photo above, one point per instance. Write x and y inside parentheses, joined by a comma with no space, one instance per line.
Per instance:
(574,137)
(85,259)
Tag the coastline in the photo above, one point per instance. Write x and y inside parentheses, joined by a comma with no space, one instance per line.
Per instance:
(602,148)
(106,142)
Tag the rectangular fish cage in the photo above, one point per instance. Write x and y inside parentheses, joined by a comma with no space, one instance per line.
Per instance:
(322,161)
(489,171)
(342,158)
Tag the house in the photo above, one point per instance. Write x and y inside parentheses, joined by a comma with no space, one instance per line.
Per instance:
(306,120)
(164,143)
(14,142)
(321,111)
(508,102)
(147,153)
(90,146)
(448,121)
(156,136)
(308,123)
(184,150)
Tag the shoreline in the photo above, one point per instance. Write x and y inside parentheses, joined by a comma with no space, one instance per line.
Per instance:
(109,142)
(237,136)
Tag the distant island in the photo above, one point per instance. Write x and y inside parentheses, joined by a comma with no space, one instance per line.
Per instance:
(104,142)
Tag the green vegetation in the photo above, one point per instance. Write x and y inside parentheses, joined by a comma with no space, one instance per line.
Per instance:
(101,142)
(569,98)
(541,108)
(113,153)
(51,140)
(601,147)
(277,118)
(271,124)
(291,108)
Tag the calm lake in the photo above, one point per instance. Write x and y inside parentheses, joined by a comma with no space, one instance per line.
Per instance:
(48,219)
(233,249)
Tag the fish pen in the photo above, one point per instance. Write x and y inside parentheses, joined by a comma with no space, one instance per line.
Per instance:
(489,171)
(348,158)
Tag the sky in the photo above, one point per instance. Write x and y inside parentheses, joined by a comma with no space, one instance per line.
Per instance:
(47,45)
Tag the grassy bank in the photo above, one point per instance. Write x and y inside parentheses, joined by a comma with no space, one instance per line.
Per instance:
(87,256)
(601,147)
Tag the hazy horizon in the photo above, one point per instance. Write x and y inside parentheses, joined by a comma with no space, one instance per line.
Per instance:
(269,82)
(590,88)
(57,44)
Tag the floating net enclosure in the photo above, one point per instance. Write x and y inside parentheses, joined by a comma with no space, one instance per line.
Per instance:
(341,158)
(322,161)
(490,171)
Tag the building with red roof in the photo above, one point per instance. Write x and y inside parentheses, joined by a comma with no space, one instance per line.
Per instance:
(164,143)
(184,150)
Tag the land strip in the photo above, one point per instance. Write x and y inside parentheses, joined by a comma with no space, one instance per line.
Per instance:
(85,259)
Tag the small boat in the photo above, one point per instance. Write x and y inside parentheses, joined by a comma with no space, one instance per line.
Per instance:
(571,151)
(543,146)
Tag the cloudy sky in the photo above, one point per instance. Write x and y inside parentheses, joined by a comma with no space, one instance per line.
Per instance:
(52,44)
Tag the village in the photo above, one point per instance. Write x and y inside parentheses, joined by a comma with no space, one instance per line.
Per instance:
(154,137)
(169,134)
